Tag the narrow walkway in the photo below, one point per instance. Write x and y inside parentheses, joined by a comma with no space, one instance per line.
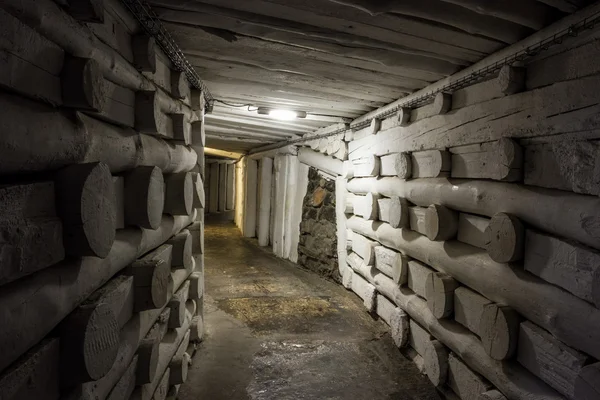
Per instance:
(274,331)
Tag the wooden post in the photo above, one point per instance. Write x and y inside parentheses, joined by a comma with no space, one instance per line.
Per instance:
(264,200)
(222,187)
(85,200)
(229,203)
(213,193)
(251,189)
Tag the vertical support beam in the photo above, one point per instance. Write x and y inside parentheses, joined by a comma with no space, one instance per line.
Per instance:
(281,174)
(213,193)
(264,200)
(289,205)
(340,217)
(222,186)
(230,196)
(296,212)
(251,188)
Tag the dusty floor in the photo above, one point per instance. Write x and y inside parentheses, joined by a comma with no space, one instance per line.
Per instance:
(274,331)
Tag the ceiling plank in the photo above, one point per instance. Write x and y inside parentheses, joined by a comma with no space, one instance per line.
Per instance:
(196,41)
(528,13)
(448,14)
(257,18)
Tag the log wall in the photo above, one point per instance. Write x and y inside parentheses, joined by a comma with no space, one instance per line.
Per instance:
(472,232)
(101,207)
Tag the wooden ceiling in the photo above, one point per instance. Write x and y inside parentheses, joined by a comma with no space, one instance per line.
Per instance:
(335,58)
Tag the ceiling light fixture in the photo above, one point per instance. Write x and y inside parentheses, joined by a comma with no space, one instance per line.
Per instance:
(280,114)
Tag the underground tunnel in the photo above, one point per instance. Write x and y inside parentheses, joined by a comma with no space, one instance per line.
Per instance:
(299,199)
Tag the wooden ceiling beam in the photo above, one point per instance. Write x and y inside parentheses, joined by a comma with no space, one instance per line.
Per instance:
(196,41)
(244,139)
(443,54)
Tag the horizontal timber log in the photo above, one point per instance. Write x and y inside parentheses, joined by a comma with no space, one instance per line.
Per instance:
(513,380)
(50,20)
(564,214)
(571,320)
(320,161)
(34,305)
(30,143)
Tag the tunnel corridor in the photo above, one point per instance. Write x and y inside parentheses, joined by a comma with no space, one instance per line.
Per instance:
(275,331)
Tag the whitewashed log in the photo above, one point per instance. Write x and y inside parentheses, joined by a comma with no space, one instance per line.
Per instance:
(181,254)
(229,203)
(430,163)
(179,367)
(468,308)
(467,384)
(573,320)
(587,385)
(23,71)
(251,187)
(393,210)
(31,230)
(179,194)
(499,331)
(397,164)
(277,200)
(563,263)
(419,337)
(30,126)
(34,375)
(149,118)
(364,247)
(416,219)
(199,195)
(264,200)
(511,79)
(82,84)
(85,203)
(418,273)
(436,362)
(392,263)
(320,161)
(139,325)
(148,350)
(119,191)
(491,395)
(197,232)
(144,52)
(341,231)
(370,130)
(513,380)
(348,169)
(539,208)
(439,292)
(179,85)
(163,386)
(566,165)
(471,230)
(500,160)
(403,116)
(365,166)
(349,199)
(384,308)
(89,343)
(442,103)
(365,291)
(199,133)
(174,339)
(126,384)
(441,223)
(177,305)
(366,206)
(555,363)
(297,190)
(197,329)
(505,238)
(181,128)
(117,294)
(152,279)
(400,327)
(144,197)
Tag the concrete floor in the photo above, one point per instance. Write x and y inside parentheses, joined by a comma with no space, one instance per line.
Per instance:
(274,331)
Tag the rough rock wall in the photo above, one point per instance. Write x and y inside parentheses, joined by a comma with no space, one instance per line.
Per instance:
(101,207)
(318,239)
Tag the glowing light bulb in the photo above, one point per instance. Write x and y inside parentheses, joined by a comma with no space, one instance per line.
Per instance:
(284,115)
